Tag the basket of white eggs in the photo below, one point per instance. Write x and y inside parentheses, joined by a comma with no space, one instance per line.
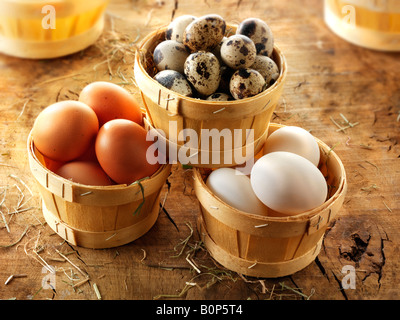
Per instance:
(202,74)
(271,222)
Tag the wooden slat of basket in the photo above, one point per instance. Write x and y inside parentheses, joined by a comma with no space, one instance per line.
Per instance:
(107,239)
(242,151)
(246,222)
(256,268)
(89,195)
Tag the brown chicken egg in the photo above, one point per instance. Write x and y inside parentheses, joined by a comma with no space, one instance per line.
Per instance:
(110,101)
(84,172)
(121,150)
(64,130)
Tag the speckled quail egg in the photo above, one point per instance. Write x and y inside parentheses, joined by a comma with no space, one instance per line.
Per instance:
(202,69)
(219,96)
(176,28)
(170,55)
(204,33)
(246,83)
(217,50)
(268,69)
(226,74)
(238,51)
(174,81)
(261,34)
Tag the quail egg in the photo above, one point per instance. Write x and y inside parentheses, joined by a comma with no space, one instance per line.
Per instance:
(261,34)
(170,55)
(174,81)
(238,51)
(217,50)
(219,96)
(202,69)
(176,28)
(204,33)
(226,74)
(246,83)
(268,69)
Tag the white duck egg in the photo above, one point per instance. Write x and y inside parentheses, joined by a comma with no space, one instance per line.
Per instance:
(234,188)
(288,183)
(293,139)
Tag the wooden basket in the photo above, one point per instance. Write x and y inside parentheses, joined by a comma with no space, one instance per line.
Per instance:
(163,105)
(207,158)
(268,246)
(371,24)
(26,30)
(97,216)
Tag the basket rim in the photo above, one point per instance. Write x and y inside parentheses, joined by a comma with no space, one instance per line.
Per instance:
(140,52)
(255,142)
(124,187)
(341,189)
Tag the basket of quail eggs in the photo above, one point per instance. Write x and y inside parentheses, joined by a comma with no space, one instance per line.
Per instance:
(206,74)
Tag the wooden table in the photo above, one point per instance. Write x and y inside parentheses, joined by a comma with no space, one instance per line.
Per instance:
(327,78)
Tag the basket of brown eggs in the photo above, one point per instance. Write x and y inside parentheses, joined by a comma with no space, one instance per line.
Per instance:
(203,78)
(98,185)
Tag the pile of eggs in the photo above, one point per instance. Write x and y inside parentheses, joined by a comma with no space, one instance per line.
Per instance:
(98,140)
(199,59)
(286,178)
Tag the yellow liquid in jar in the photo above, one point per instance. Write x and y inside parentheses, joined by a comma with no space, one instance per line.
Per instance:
(31,29)
(379,17)
(373,24)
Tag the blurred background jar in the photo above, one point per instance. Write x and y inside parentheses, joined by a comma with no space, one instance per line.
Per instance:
(40,29)
(374,24)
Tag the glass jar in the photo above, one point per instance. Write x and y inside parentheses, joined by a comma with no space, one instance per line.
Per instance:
(374,24)
(47,29)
